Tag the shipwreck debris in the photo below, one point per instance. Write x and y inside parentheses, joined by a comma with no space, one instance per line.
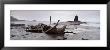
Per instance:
(54,30)
(40,28)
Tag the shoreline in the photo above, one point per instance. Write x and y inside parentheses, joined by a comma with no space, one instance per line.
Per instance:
(81,33)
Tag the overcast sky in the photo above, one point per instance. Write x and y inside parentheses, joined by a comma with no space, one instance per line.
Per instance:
(66,15)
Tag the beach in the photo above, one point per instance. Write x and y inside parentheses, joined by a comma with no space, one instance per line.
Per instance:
(80,32)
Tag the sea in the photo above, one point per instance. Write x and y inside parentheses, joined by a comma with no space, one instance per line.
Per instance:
(91,21)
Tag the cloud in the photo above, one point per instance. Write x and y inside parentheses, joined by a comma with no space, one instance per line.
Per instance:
(63,15)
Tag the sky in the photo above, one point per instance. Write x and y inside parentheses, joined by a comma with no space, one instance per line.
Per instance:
(62,15)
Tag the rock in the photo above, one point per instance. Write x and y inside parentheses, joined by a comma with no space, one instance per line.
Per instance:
(11,28)
(13,35)
(26,34)
(24,37)
(41,36)
(64,38)
(84,39)
(74,33)
(58,39)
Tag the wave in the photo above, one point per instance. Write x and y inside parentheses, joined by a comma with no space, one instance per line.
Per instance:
(93,24)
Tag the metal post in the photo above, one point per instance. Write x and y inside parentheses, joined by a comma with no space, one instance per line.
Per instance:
(50,20)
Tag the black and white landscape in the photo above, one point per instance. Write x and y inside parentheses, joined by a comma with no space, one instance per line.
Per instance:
(44,25)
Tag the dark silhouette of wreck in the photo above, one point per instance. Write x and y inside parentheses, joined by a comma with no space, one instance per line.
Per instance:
(76,19)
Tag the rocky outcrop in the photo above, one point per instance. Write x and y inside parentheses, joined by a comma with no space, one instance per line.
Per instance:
(13,19)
